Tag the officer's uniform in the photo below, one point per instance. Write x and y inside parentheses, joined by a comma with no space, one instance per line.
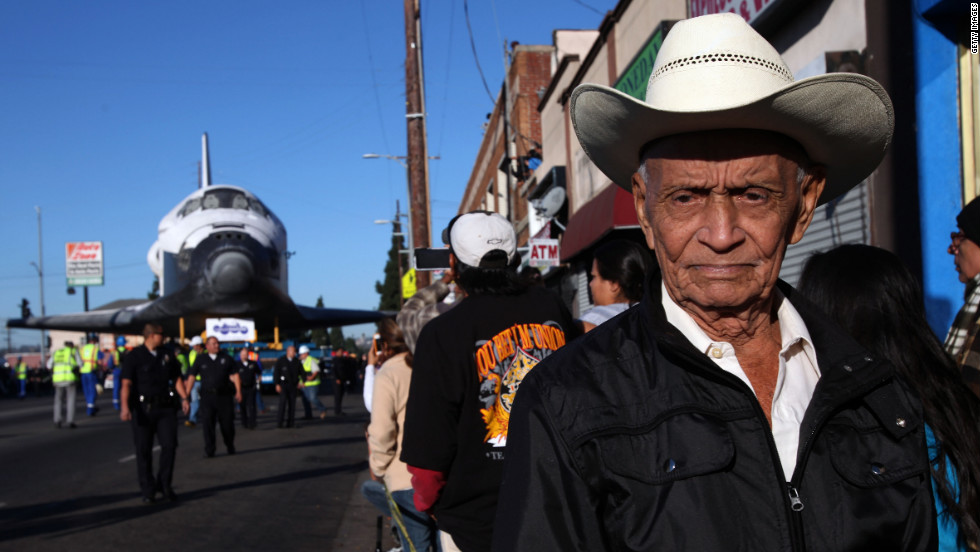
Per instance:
(217,397)
(248,372)
(287,374)
(153,403)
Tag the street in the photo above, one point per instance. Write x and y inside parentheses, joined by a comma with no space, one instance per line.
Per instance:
(285,489)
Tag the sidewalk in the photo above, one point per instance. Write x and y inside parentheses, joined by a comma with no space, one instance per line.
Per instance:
(358,528)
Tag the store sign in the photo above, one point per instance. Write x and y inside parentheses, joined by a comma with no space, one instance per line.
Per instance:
(83,263)
(634,79)
(748,9)
(231,329)
(543,252)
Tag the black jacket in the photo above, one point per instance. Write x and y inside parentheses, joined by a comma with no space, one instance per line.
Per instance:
(287,372)
(631,439)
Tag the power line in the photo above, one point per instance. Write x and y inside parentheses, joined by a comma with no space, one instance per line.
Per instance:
(469,28)
(583,4)
(377,99)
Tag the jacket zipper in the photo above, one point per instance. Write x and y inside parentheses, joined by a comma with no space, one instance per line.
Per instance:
(793,502)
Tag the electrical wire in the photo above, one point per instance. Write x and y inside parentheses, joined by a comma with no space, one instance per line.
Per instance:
(469,28)
(374,82)
(584,5)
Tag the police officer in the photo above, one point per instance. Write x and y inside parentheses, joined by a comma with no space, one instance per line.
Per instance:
(151,392)
(90,378)
(220,386)
(249,374)
(288,374)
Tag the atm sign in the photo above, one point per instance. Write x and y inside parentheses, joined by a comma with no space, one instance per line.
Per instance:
(543,252)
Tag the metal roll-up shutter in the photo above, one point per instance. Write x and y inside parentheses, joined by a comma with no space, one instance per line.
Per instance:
(846,221)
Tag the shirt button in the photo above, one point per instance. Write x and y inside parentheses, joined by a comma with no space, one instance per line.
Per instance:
(717,352)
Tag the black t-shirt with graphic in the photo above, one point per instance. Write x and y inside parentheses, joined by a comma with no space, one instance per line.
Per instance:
(468,365)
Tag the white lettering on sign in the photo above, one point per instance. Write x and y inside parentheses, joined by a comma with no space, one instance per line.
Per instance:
(544,252)
(83,263)
(748,9)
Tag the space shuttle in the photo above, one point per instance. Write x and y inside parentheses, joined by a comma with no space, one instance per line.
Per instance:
(219,253)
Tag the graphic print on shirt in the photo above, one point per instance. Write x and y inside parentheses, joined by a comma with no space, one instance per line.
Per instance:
(502,362)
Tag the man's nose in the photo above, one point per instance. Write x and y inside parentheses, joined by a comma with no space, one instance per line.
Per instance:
(720,230)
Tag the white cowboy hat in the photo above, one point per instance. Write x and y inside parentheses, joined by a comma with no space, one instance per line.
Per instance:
(716,72)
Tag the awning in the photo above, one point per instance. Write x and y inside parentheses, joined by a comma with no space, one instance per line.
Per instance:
(610,209)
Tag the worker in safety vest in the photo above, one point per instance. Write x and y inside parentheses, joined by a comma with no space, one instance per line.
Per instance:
(63,364)
(21,377)
(117,359)
(311,383)
(89,371)
(197,347)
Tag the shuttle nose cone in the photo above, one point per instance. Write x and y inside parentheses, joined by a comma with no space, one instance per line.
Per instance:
(231,272)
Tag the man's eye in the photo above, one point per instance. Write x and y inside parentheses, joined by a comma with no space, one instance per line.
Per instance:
(754,195)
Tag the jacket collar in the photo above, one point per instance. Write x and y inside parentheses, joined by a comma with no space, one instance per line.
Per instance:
(847,370)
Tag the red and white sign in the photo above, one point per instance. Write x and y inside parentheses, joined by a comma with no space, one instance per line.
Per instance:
(544,252)
(83,263)
(748,9)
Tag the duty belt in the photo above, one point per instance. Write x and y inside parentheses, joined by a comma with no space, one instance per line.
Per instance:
(167,399)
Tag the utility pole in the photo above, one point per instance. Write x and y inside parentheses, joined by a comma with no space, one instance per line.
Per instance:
(418,164)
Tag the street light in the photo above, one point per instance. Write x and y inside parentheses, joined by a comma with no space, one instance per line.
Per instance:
(40,276)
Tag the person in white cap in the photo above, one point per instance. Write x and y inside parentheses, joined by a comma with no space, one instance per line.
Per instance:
(724,412)
(469,362)
(197,347)
(311,384)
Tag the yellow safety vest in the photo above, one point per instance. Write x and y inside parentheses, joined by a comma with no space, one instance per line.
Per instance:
(90,357)
(118,354)
(22,371)
(184,365)
(308,366)
(62,366)
(193,357)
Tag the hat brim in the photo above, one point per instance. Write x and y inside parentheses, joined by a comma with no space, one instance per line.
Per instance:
(844,121)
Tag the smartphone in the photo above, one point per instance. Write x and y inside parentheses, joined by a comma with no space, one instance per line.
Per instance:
(432,259)
(377,343)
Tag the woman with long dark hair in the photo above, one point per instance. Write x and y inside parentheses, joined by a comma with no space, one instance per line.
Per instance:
(619,269)
(871,294)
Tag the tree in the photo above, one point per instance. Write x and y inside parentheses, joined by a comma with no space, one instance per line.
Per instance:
(390,291)
(319,335)
(154,292)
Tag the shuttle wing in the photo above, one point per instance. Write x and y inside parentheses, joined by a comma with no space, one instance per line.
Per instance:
(129,316)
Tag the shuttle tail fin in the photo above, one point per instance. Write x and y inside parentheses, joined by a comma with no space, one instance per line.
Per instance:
(205,180)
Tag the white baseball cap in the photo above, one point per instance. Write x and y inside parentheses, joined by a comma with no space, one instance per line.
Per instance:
(196,340)
(472,236)
(304,350)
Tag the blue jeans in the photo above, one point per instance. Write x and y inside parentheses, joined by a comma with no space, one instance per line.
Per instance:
(310,392)
(420,529)
(195,401)
(116,386)
(88,388)
(23,388)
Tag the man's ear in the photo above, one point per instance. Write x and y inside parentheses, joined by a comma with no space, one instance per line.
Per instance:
(639,203)
(810,190)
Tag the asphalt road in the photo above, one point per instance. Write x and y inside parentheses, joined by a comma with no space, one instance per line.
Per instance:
(285,489)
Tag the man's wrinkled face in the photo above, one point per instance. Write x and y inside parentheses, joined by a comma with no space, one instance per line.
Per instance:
(966,256)
(718,209)
(290,351)
(212,345)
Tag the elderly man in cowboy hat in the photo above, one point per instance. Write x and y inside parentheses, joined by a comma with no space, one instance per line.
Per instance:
(722,412)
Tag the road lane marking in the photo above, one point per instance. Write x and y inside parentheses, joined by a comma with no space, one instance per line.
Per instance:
(132,457)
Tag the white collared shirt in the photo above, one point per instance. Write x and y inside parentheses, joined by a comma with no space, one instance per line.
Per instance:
(798,370)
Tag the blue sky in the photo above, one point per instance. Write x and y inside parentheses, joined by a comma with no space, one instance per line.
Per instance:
(104,104)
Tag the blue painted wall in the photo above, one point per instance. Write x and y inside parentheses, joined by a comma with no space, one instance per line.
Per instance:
(939,152)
